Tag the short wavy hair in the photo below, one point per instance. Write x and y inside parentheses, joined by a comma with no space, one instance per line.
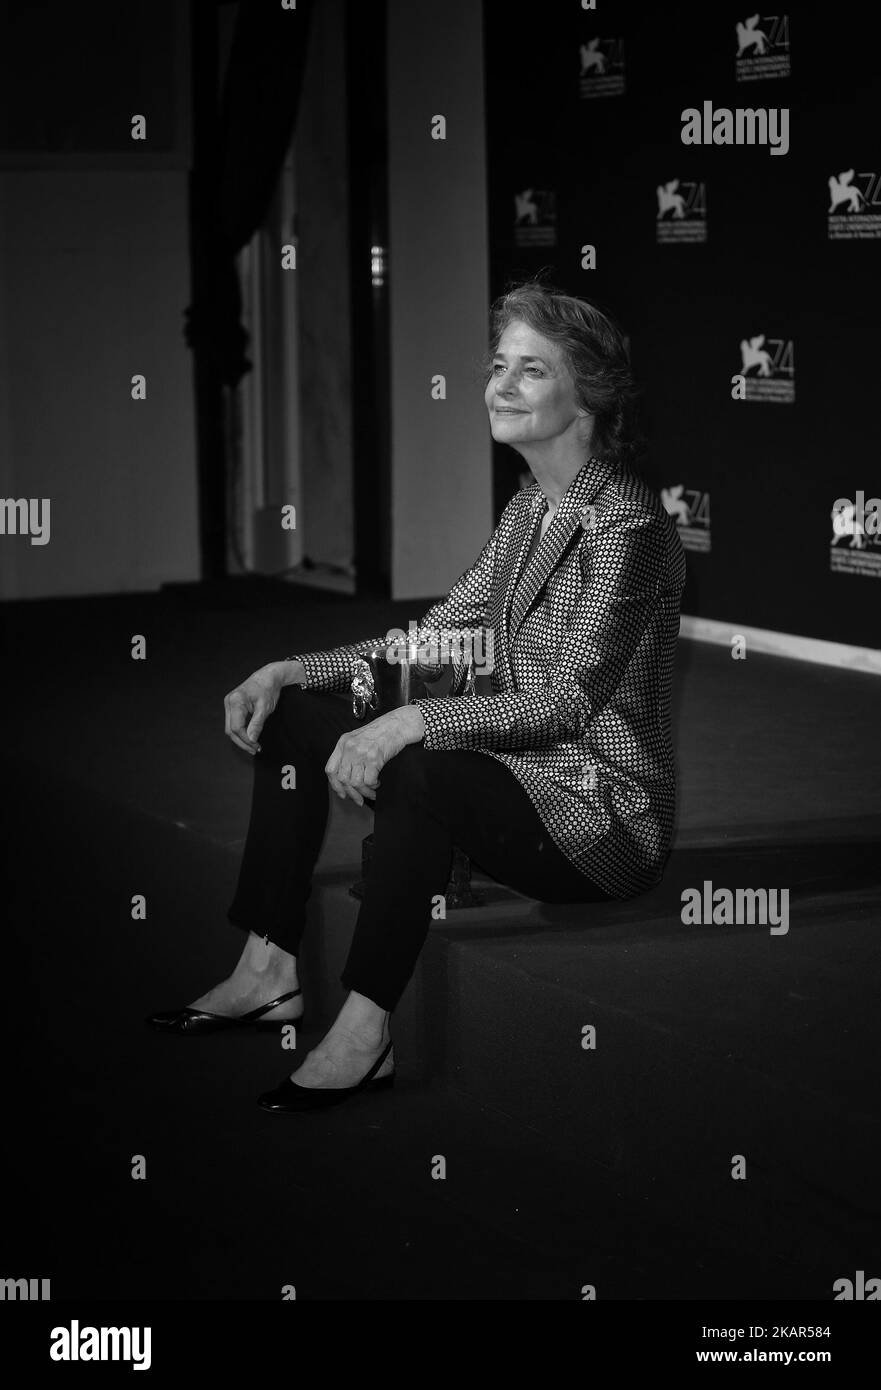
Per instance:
(595,353)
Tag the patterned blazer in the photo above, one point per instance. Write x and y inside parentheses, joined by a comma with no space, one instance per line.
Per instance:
(583,640)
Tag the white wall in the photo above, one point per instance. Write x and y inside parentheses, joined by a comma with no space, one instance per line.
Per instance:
(93,283)
(441,452)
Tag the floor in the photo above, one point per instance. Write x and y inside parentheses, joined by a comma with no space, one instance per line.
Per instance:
(564,1167)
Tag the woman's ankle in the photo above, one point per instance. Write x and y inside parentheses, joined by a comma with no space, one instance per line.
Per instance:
(263,958)
(363,1021)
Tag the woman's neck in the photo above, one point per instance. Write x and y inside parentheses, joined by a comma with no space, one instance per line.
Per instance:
(554,470)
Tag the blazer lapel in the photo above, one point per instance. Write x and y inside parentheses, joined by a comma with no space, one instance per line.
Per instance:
(520,541)
(509,560)
(567,523)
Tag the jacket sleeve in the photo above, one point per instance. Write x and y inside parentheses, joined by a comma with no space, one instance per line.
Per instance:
(462,611)
(331,671)
(627,560)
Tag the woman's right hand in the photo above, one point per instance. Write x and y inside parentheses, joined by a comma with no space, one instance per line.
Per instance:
(251,703)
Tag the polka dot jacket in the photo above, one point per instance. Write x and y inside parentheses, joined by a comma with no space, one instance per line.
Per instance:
(582,633)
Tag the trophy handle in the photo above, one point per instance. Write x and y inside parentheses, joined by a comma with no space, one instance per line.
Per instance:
(470,677)
(363,687)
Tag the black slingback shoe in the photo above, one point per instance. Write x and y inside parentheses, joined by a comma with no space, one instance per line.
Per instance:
(289,1097)
(198,1021)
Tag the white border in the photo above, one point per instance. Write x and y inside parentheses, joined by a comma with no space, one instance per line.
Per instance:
(787,644)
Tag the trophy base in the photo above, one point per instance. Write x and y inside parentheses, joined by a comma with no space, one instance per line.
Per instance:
(459,892)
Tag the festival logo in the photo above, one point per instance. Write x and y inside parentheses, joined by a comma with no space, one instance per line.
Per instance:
(854,212)
(855,543)
(602,68)
(767,370)
(762,47)
(690,509)
(535,218)
(682,211)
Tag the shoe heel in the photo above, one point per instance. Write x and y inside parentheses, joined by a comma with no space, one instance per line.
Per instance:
(381,1083)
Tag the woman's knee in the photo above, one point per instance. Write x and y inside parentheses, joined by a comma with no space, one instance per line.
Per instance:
(295,722)
(406,774)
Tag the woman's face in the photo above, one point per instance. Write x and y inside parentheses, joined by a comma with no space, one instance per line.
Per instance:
(530,395)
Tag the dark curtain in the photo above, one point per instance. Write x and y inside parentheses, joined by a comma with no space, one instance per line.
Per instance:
(238,147)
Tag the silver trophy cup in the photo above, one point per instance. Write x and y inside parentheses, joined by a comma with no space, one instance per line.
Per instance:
(379,685)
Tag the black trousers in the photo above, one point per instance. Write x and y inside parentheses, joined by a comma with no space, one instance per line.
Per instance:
(427,802)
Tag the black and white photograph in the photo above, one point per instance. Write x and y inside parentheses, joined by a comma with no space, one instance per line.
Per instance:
(440,611)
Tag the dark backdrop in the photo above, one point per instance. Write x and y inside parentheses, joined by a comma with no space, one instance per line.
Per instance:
(765,474)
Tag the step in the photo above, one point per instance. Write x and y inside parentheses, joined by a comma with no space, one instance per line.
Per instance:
(710,1042)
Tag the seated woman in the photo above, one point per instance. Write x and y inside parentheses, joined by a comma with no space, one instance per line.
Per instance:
(559,784)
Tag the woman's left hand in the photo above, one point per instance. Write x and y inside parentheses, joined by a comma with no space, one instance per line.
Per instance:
(354,766)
